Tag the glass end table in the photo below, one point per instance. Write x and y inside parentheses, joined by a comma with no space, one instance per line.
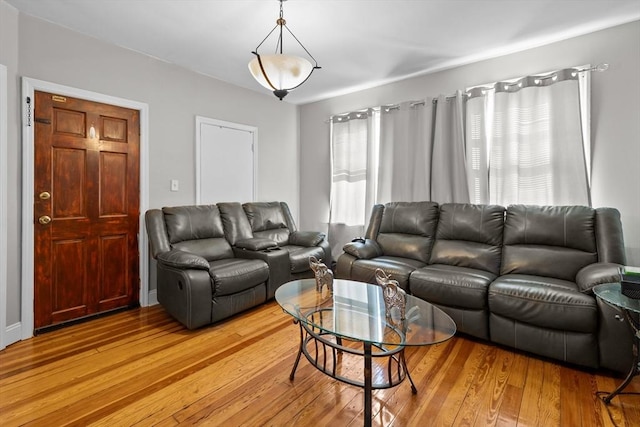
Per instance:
(611,293)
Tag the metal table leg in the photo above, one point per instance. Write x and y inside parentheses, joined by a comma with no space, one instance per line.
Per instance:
(635,366)
(367,384)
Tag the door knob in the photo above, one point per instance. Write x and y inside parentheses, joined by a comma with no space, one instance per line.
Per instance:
(45,195)
(44,220)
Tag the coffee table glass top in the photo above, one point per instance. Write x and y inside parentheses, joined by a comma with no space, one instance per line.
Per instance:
(611,293)
(356,311)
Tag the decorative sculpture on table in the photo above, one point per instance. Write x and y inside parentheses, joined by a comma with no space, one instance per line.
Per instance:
(323,275)
(394,296)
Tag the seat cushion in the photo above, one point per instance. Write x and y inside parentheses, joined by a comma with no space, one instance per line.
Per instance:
(299,256)
(236,275)
(364,270)
(543,302)
(451,286)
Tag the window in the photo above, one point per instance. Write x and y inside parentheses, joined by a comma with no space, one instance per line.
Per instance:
(354,146)
(527,141)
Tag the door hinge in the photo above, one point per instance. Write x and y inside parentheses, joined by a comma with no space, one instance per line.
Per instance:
(28,111)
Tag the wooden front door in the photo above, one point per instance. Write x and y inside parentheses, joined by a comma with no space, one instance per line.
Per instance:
(86,207)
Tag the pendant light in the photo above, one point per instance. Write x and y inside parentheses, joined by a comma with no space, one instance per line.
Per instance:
(280,72)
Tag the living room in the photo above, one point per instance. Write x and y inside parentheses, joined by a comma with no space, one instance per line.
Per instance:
(293,142)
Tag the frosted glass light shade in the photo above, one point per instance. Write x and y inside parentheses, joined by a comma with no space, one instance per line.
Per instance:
(284,71)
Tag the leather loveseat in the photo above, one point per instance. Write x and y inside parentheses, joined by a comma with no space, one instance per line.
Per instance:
(214,261)
(519,277)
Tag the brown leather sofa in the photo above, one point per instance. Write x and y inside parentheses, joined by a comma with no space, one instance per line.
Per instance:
(214,261)
(519,277)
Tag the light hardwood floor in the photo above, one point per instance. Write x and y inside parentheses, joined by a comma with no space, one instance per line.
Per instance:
(142,368)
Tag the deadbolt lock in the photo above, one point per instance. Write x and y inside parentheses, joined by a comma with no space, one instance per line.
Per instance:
(45,195)
(44,220)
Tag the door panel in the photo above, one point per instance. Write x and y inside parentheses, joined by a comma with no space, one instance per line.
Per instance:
(113,184)
(114,252)
(86,247)
(68,183)
(69,286)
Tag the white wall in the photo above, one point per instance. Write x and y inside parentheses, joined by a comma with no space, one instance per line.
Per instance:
(615,119)
(34,48)
(9,58)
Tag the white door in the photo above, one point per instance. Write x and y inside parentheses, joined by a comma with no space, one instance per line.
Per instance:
(225,161)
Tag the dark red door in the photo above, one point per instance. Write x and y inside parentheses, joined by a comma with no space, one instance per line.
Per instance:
(86,206)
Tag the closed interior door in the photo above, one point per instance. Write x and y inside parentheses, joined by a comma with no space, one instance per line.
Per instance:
(86,207)
(225,163)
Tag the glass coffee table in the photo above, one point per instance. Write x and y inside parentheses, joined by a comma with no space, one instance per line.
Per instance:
(611,293)
(349,327)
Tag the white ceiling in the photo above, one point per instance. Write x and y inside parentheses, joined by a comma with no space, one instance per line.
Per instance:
(358,43)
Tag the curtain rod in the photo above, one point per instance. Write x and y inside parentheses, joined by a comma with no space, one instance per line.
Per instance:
(603,66)
(596,68)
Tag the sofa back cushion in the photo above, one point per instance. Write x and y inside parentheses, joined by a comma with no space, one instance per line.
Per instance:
(235,223)
(407,229)
(551,241)
(197,229)
(268,221)
(469,236)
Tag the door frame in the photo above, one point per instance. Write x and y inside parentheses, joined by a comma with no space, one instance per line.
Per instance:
(29,86)
(3,204)
(200,120)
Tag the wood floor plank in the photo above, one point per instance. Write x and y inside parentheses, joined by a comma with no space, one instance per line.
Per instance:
(142,368)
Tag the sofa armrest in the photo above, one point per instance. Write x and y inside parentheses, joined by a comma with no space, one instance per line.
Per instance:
(306,238)
(596,274)
(184,260)
(360,249)
(256,244)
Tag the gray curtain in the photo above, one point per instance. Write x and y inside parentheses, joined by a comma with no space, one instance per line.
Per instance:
(404,168)
(448,163)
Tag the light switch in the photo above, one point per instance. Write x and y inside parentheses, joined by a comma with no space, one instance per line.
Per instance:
(175,185)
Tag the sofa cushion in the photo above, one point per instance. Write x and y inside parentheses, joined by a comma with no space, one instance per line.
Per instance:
(469,236)
(364,270)
(452,286)
(278,235)
(198,230)
(306,238)
(235,223)
(192,222)
(407,229)
(299,256)
(543,302)
(265,215)
(551,241)
(235,275)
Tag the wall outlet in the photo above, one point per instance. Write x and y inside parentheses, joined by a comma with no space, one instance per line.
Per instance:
(175,186)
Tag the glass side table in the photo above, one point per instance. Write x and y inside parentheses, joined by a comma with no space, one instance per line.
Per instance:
(612,295)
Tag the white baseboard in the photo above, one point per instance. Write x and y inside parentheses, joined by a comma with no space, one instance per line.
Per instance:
(13,334)
(153,297)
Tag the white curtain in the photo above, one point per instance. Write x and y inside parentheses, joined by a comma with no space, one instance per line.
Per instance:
(448,170)
(354,150)
(526,141)
(404,171)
